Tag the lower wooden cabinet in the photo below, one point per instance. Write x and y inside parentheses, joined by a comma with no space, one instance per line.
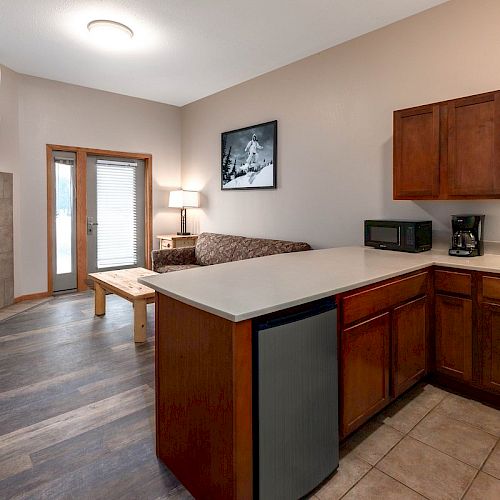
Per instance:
(453,334)
(365,371)
(409,344)
(490,377)
(383,345)
(393,333)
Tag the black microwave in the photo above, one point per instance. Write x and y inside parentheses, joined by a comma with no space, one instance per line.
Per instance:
(400,235)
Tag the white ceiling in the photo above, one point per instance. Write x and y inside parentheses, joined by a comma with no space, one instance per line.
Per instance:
(182,49)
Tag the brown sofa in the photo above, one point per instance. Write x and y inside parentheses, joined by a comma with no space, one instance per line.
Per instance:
(214,248)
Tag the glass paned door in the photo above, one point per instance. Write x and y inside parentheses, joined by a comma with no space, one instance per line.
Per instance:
(115,213)
(64,244)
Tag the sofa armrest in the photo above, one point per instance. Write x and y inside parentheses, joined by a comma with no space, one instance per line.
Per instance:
(173,257)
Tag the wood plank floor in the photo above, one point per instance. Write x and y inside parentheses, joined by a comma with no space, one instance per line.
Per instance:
(77,405)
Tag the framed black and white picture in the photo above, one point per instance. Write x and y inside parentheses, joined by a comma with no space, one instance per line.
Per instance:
(248,157)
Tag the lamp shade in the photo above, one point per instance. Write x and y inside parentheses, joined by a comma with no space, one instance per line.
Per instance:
(184,199)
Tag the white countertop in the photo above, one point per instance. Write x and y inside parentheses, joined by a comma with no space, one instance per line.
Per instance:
(249,288)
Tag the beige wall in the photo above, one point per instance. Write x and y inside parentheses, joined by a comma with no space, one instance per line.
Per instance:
(334,113)
(56,113)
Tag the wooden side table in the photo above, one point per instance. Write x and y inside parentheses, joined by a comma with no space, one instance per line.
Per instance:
(168,241)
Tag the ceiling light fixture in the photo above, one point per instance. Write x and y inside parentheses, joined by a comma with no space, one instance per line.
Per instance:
(110,32)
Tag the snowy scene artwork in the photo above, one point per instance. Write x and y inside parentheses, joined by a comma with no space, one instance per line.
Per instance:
(248,157)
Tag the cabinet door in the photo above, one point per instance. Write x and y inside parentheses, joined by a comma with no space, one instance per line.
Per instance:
(474,146)
(409,342)
(365,359)
(491,346)
(416,153)
(454,337)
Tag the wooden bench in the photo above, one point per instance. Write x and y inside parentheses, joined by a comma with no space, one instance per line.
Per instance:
(124,284)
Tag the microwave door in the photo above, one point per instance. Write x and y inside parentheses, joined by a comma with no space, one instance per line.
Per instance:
(386,236)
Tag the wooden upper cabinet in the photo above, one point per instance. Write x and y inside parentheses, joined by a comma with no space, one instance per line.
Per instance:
(473,146)
(454,337)
(409,344)
(448,150)
(416,153)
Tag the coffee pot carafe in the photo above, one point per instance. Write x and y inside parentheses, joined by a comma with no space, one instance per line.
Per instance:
(467,235)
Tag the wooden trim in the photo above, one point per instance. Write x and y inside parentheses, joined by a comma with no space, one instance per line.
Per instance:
(81,207)
(431,323)
(148,212)
(463,101)
(242,417)
(477,328)
(32,296)
(81,221)
(157,378)
(50,219)
(100,152)
(437,152)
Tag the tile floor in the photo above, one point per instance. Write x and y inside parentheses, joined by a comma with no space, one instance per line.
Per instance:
(14,309)
(429,444)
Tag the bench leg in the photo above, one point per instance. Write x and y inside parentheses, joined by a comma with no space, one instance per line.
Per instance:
(140,310)
(100,300)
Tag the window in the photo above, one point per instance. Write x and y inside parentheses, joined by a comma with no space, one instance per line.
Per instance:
(64,201)
(116,213)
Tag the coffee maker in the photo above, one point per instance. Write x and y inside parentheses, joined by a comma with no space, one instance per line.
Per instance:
(467,237)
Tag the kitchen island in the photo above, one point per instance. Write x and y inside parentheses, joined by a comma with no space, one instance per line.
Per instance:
(204,357)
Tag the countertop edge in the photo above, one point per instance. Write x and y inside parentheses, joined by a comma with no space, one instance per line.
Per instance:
(236,318)
(246,315)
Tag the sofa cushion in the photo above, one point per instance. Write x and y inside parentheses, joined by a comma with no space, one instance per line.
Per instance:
(212,248)
(249,248)
(172,257)
(174,267)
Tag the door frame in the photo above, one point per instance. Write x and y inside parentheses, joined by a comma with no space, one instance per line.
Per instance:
(81,207)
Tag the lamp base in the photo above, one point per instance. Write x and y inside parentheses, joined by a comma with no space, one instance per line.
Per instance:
(183,231)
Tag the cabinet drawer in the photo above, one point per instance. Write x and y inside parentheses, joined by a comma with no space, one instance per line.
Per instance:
(452,282)
(491,287)
(165,244)
(185,242)
(363,304)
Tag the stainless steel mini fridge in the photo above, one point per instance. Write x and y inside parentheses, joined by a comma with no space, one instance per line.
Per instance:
(295,401)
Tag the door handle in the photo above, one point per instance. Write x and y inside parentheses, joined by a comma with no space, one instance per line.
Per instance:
(90,225)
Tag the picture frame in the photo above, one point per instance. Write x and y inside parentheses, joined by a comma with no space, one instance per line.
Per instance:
(249,157)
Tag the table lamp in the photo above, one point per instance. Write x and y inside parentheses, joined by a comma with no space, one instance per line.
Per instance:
(183,199)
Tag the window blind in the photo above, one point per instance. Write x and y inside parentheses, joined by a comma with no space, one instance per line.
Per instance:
(116,213)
